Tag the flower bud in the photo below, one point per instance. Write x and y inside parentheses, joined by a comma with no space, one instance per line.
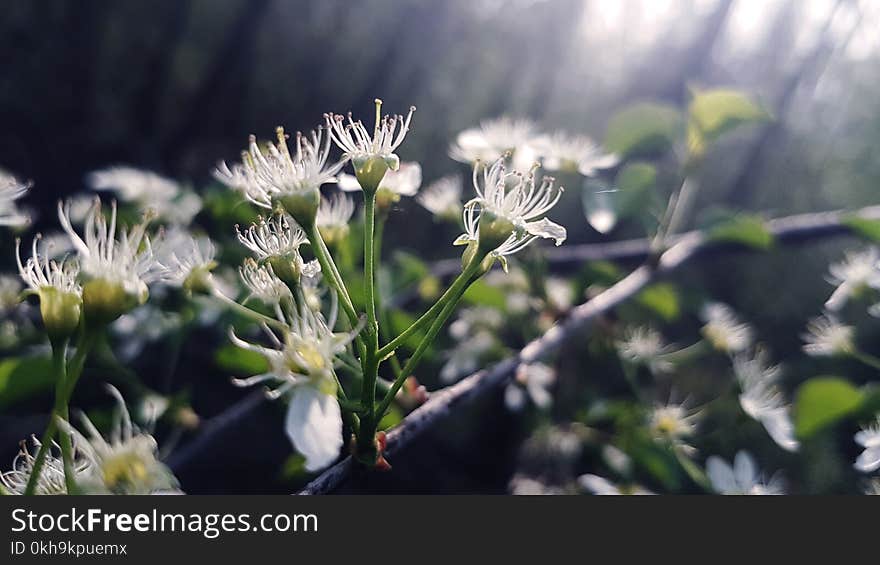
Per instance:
(494,230)
(302,206)
(198,281)
(61,311)
(371,170)
(288,268)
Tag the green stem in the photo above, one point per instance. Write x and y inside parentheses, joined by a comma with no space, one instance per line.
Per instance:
(451,301)
(63,389)
(867,359)
(59,368)
(247,312)
(370,360)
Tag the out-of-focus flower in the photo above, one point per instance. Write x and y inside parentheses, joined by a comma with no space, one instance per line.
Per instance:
(117,266)
(571,153)
(493,139)
(509,211)
(371,155)
(186,260)
(334,214)
(466,357)
(743,477)
(723,330)
(405,181)
(149,190)
(142,326)
(10,191)
(827,337)
(51,480)
(762,399)
(302,368)
(644,346)
(125,461)
(533,381)
(521,485)
(560,294)
(869,438)
(599,485)
(274,175)
(873,487)
(443,198)
(673,422)
(10,288)
(857,272)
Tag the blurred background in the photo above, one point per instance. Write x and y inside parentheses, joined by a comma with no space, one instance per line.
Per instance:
(176,85)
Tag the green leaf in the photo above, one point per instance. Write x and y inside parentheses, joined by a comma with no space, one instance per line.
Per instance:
(715,112)
(633,183)
(400,321)
(863,227)
(483,294)
(240,361)
(662,299)
(746,229)
(23,377)
(823,401)
(643,129)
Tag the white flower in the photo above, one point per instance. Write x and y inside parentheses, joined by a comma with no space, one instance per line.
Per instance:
(335,212)
(10,287)
(405,181)
(644,346)
(602,486)
(10,191)
(526,486)
(673,421)
(827,337)
(741,478)
(855,273)
(563,152)
(873,488)
(869,438)
(534,380)
(148,190)
(124,258)
(723,330)
(125,461)
(471,321)
(302,366)
(184,257)
(560,294)
(493,139)
(762,399)
(262,282)
(508,212)
(51,480)
(443,197)
(466,357)
(41,273)
(271,174)
(280,236)
(361,147)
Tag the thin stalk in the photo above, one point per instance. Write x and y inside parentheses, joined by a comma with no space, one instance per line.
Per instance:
(59,368)
(247,312)
(867,359)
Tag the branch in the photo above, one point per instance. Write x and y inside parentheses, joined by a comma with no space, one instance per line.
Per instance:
(792,229)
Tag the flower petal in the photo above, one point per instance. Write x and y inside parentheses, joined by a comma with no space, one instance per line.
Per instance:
(348,183)
(314,426)
(547,229)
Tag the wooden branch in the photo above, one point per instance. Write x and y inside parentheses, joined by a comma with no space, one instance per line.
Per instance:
(687,246)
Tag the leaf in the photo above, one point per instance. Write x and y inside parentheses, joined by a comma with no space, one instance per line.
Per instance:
(714,112)
(23,377)
(863,227)
(745,229)
(634,182)
(240,361)
(823,401)
(643,129)
(662,299)
(483,294)
(400,321)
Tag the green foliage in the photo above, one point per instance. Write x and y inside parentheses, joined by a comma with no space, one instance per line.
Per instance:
(863,227)
(23,377)
(662,299)
(715,112)
(824,401)
(746,229)
(240,361)
(482,294)
(643,129)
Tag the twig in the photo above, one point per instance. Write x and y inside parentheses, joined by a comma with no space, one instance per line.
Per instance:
(788,230)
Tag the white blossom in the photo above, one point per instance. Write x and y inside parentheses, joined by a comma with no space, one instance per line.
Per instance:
(533,381)
(40,273)
(563,152)
(493,139)
(125,461)
(360,146)
(869,438)
(513,198)
(262,282)
(601,486)
(644,346)
(742,478)
(10,191)
(467,356)
(51,480)
(405,181)
(148,190)
(673,421)
(762,399)
(443,197)
(827,337)
(723,330)
(855,273)
(183,256)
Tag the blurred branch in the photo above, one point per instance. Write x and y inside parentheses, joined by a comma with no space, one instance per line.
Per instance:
(686,247)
